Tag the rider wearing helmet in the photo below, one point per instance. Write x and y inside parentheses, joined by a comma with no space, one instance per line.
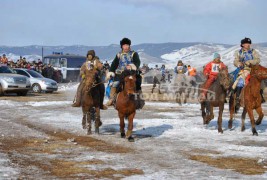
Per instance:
(211,71)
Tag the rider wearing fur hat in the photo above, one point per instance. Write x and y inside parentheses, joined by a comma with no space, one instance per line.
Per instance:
(124,60)
(244,57)
(92,62)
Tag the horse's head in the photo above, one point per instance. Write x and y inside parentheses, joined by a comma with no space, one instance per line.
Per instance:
(259,72)
(90,78)
(224,78)
(130,84)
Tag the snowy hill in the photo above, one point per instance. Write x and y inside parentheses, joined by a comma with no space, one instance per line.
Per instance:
(201,54)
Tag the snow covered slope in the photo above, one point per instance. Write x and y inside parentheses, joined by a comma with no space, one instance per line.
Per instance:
(201,54)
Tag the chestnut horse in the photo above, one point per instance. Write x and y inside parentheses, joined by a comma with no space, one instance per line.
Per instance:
(125,103)
(91,102)
(252,98)
(216,98)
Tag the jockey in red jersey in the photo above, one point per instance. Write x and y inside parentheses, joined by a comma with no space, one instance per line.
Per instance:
(211,71)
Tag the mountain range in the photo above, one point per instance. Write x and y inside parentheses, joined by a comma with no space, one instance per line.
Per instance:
(195,53)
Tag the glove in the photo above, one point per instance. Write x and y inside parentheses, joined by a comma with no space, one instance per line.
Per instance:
(247,63)
(109,75)
(83,76)
(131,67)
(240,64)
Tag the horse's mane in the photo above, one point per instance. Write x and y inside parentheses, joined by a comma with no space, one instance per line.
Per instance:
(128,73)
(125,74)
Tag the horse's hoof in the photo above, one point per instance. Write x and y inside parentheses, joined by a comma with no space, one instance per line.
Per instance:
(243,129)
(230,124)
(258,123)
(255,133)
(220,131)
(131,139)
(84,126)
(123,135)
(89,132)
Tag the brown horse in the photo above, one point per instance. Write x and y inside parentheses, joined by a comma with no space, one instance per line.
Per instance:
(125,103)
(216,98)
(251,97)
(91,102)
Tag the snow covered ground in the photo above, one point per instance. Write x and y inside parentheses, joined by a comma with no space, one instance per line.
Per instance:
(166,136)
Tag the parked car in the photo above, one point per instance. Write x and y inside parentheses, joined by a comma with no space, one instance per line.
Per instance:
(38,82)
(10,82)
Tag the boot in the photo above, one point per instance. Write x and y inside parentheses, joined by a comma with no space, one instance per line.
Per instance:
(139,102)
(77,102)
(103,107)
(112,94)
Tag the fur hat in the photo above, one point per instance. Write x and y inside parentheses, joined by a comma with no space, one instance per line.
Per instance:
(125,41)
(246,41)
(91,52)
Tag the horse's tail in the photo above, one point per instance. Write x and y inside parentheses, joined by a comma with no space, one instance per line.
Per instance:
(232,103)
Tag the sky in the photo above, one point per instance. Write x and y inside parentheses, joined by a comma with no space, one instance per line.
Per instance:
(105,22)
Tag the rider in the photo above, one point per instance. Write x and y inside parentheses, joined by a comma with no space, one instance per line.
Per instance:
(191,71)
(180,68)
(126,59)
(163,72)
(211,71)
(92,62)
(4,60)
(244,57)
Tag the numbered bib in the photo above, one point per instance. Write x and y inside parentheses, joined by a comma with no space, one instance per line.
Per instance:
(215,68)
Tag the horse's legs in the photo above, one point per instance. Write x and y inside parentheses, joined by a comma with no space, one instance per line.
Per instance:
(84,118)
(260,113)
(211,112)
(203,112)
(221,108)
(89,127)
(243,119)
(210,115)
(252,121)
(130,127)
(154,85)
(159,89)
(122,124)
(232,111)
(98,122)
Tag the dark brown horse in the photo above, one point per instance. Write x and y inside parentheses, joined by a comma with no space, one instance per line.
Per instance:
(125,104)
(216,98)
(91,102)
(250,99)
